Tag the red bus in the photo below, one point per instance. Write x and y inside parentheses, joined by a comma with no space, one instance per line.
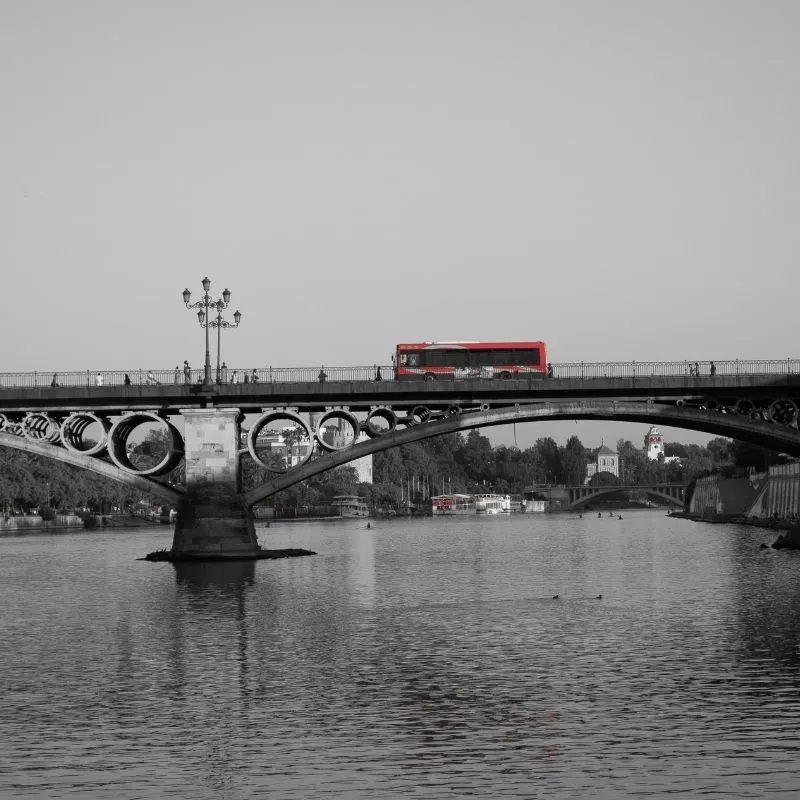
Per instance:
(469,360)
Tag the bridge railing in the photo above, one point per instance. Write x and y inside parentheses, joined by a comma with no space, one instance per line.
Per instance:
(585,370)
(672,369)
(167,377)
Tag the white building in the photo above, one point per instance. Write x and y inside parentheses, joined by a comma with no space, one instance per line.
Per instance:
(653,443)
(654,446)
(607,461)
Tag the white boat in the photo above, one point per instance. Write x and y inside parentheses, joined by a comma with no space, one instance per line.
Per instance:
(448,504)
(493,503)
(350,505)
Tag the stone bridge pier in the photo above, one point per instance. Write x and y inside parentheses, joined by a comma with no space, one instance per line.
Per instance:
(213,518)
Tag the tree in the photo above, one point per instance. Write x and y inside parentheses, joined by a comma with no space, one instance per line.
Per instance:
(721,451)
(550,459)
(632,463)
(675,449)
(573,462)
(604,479)
(745,454)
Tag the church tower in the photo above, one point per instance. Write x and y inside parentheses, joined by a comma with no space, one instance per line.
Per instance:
(653,443)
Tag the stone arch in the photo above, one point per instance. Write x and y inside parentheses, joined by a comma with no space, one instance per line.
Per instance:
(651,491)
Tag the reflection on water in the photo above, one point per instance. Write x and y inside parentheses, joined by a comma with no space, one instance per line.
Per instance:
(230,576)
(414,659)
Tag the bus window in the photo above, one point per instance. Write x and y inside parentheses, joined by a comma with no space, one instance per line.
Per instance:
(501,358)
(456,358)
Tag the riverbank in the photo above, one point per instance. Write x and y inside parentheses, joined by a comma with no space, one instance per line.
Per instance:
(32,523)
(735,519)
(789,540)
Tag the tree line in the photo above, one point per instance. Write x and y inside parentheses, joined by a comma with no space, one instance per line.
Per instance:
(469,464)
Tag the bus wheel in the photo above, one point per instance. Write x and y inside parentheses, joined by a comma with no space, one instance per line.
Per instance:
(429,376)
(504,376)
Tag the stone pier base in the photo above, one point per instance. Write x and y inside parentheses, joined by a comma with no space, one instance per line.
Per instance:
(213,521)
(214,524)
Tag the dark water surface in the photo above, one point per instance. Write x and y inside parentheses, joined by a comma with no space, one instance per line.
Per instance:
(416,659)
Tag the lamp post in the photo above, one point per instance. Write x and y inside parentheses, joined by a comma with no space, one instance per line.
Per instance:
(205,322)
(219,323)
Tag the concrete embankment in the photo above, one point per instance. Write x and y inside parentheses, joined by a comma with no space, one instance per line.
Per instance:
(34,523)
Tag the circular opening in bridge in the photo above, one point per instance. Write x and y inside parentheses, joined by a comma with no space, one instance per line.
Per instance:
(280,440)
(379,421)
(41,428)
(10,425)
(337,430)
(783,411)
(85,433)
(143,443)
(745,407)
(452,411)
(418,415)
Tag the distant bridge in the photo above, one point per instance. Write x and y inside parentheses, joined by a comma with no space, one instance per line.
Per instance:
(670,493)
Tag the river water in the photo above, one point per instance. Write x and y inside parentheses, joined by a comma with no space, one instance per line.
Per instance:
(416,659)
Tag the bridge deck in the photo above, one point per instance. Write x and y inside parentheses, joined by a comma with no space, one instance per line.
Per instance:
(365,394)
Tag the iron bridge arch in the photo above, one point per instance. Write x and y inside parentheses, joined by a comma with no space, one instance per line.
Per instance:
(771,435)
(91,463)
(782,437)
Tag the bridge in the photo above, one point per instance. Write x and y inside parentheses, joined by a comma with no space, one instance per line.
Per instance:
(575,497)
(88,422)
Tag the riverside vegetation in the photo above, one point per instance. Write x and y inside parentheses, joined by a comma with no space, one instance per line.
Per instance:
(453,463)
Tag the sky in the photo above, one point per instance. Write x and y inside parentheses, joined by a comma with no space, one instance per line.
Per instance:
(618,179)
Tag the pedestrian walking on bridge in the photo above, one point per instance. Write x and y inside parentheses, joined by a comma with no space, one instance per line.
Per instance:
(187,373)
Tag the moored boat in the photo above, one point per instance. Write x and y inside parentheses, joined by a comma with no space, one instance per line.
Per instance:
(493,503)
(449,504)
(350,505)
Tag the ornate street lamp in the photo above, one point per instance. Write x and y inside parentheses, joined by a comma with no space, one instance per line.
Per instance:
(219,323)
(205,322)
